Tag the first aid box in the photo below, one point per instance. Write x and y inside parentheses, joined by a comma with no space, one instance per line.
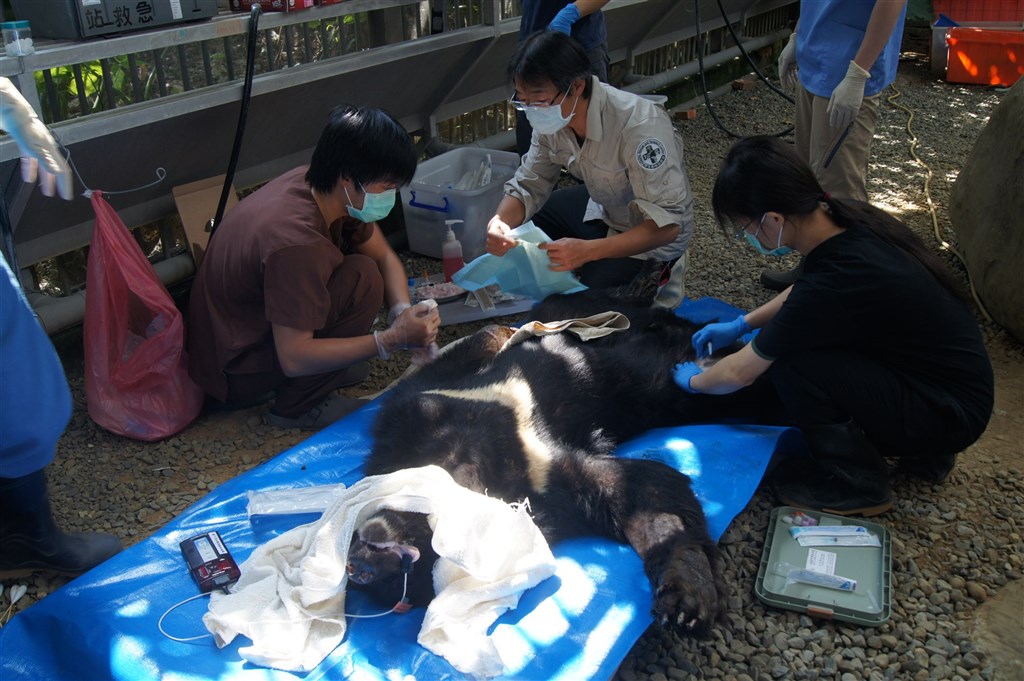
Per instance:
(866,601)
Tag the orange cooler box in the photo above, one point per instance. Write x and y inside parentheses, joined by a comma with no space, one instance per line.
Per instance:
(986,57)
(970,12)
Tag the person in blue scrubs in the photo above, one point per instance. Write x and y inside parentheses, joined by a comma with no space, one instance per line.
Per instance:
(35,401)
(840,58)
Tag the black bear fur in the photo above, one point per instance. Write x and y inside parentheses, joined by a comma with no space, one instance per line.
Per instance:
(587,397)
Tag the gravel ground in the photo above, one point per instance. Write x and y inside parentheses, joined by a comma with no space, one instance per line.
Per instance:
(957,548)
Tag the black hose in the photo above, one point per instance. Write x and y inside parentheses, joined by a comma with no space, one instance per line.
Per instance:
(743,51)
(753,64)
(250,58)
(7,230)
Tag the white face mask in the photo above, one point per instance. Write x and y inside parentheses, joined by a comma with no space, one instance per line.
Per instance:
(548,119)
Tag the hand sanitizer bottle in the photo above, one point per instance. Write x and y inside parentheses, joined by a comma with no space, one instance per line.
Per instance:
(451,252)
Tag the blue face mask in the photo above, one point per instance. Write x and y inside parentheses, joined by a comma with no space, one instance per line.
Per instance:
(753,241)
(375,206)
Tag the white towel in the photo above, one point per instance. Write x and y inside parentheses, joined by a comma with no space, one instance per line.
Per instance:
(290,600)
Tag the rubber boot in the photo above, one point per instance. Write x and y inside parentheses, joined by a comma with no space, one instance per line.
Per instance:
(780,280)
(845,474)
(30,540)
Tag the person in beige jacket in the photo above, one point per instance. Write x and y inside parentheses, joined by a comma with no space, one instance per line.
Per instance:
(634,203)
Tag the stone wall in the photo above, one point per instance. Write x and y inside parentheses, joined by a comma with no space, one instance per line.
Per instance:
(986,207)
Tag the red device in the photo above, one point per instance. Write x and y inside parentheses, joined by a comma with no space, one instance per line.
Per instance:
(210,562)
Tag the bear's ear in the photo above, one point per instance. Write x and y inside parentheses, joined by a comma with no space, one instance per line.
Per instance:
(404,550)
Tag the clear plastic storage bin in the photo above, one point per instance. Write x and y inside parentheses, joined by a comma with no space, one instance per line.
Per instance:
(431,199)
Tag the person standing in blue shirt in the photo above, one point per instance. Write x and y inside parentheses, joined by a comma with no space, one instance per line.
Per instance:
(841,56)
(584,21)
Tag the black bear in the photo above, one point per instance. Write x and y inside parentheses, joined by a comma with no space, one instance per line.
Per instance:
(539,420)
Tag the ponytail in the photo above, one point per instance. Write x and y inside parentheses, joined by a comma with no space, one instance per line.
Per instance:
(853,214)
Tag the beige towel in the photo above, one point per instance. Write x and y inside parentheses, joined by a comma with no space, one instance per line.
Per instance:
(290,600)
(586,328)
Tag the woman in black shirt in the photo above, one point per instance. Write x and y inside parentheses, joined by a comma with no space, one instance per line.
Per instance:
(872,352)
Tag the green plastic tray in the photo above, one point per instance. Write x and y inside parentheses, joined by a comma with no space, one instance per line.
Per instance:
(870,604)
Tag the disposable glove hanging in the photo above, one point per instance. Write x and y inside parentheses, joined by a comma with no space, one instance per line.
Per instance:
(846,99)
(40,155)
(787,64)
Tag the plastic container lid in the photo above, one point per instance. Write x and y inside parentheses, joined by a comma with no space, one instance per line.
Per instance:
(14,24)
(870,604)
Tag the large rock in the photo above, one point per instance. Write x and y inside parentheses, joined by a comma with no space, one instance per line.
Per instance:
(987,210)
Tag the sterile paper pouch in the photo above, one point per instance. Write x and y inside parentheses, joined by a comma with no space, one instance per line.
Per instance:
(522,271)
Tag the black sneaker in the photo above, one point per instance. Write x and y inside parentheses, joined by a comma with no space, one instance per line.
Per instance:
(806,484)
(932,469)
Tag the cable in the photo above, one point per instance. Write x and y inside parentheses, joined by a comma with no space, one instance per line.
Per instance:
(703,79)
(401,606)
(398,606)
(243,112)
(7,232)
(753,64)
(160,622)
(161,174)
(945,245)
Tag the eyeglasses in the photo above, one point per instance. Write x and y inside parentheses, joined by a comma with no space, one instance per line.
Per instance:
(737,232)
(520,105)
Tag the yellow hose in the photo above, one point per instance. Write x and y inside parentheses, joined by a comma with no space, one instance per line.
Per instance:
(945,245)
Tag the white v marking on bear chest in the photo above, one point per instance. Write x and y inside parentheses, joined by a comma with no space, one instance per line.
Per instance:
(515,394)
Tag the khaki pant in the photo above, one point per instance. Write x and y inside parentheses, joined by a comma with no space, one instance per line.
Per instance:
(842,172)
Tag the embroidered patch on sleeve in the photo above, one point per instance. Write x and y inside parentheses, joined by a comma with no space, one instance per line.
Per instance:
(651,153)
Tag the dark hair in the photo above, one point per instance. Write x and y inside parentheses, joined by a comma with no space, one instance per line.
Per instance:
(362,144)
(761,174)
(550,56)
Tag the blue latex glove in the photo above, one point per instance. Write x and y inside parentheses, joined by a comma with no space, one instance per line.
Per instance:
(683,373)
(565,18)
(718,336)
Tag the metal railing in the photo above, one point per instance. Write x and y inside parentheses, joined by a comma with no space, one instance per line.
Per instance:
(92,83)
(169,97)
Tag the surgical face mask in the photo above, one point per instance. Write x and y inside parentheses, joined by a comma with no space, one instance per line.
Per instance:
(753,241)
(375,206)
(548,119)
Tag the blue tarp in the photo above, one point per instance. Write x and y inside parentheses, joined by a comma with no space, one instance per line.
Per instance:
(578,624)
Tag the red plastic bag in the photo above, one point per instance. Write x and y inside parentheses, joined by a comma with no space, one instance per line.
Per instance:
(136,370)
